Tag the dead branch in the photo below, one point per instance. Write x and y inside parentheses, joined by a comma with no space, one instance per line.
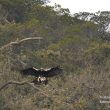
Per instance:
(22,83)
(32,85)
(20,41)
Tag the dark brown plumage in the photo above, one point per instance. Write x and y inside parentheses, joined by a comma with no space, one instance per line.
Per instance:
(50,72)
(42,74)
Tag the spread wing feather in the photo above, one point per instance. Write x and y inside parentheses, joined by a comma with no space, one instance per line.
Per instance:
(31,71)
(42,72)
(52,72)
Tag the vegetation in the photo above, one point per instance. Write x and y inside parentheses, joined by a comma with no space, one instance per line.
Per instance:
(74,44)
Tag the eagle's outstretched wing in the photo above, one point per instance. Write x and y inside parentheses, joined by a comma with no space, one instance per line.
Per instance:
(42,72)
(52,71)
(31,71)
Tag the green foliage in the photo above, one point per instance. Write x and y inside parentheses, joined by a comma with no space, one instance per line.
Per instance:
(17,10)
(67,41)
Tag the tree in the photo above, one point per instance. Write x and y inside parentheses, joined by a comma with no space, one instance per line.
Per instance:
(17,9)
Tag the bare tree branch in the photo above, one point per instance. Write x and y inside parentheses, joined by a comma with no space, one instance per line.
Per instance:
(20,41)
(56,98)
(22,83)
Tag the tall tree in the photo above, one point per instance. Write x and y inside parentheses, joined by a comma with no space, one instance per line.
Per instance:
(17,9)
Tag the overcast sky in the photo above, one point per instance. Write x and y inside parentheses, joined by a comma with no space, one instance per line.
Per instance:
(76,6)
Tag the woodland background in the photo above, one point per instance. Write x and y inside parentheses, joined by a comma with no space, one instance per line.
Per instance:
(81,47)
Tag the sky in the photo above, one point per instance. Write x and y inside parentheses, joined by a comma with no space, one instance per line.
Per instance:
(76,6)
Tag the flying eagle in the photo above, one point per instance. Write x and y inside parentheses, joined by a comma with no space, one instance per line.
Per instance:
(42,74)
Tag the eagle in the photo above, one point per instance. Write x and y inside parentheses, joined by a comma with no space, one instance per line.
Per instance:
(42,74)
